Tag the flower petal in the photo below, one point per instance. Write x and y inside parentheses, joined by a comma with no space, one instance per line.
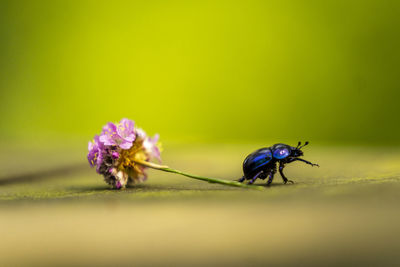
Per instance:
(125,144)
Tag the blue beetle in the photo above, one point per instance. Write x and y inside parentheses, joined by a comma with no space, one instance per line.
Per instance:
(262,162)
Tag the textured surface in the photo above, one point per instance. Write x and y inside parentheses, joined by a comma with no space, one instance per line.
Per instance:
(55,209)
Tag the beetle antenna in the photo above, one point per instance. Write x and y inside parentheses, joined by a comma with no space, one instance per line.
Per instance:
(306,143)
(298,144)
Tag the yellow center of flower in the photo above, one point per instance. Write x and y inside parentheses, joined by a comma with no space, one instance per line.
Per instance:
(129,157)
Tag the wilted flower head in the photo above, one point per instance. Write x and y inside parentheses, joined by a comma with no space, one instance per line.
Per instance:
(117,151)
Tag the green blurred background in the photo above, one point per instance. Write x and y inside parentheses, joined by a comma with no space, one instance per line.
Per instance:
(217,80)
(202,71)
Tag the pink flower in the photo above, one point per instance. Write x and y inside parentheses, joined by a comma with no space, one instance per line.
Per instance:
(119,152)
(121,135)
(95,151)
(150,145)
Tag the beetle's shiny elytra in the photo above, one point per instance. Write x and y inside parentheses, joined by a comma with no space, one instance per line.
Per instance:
(262,163)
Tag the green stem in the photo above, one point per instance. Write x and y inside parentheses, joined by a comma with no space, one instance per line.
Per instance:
(210,180)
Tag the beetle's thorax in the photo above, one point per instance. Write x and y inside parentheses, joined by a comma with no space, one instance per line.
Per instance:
(296,153)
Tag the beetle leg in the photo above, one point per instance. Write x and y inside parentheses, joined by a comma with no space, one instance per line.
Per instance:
(242,179)
(254,178)
(307,162)
(285,180)
(271,177)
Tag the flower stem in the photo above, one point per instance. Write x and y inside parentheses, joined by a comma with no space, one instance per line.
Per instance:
(207,179)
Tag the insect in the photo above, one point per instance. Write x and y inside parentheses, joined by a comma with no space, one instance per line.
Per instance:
(263,162)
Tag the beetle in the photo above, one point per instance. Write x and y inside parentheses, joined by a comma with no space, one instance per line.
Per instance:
(263,162)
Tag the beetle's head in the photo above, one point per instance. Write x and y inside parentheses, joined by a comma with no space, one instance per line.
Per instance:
(297,152)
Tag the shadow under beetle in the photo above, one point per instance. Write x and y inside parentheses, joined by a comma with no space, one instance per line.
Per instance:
(262,163)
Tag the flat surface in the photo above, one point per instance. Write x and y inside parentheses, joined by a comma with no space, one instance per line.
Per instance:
(55,209)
